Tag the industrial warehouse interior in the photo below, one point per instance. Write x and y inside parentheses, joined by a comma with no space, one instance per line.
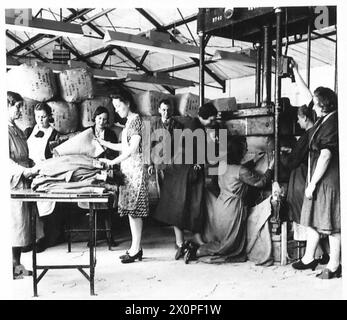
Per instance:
(116,189)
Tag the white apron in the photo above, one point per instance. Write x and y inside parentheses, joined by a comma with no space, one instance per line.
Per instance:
(37,147)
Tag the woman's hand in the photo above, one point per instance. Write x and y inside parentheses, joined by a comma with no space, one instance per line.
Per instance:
(197,167)
(108,163)
(30,172)
(310,190)
(286,150)
(258,156)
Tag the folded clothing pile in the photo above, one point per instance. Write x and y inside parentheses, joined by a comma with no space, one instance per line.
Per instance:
(75,174)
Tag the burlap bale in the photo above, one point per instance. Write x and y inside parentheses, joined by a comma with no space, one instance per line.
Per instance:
(88,107)
(65,115)
(148,102)
(33,82)
(225,104)
(83,143)
(27,120)
(187,104)
(76,85)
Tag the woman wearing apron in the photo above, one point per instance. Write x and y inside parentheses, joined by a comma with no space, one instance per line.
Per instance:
(38,141)
(20,172)
(133,195)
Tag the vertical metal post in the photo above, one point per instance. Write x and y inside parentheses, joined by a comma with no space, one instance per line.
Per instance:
(267,66)
(91,247)
(308,54)
(258,76)
(335,86)
(33,239)
(278,88)
(202,68)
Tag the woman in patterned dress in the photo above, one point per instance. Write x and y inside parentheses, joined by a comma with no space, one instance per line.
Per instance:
(133,195)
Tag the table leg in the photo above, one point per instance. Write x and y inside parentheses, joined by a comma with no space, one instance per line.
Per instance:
(33,236)
(91,248)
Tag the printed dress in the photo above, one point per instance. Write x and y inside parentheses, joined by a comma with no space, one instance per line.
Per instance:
(133,195)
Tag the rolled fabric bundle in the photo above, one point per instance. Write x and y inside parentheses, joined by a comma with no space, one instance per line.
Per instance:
(83,143)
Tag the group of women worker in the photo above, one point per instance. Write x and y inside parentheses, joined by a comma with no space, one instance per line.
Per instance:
(218,221)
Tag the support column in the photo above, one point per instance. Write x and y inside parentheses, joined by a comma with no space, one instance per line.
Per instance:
(267,66)
(202,68)
(258,76)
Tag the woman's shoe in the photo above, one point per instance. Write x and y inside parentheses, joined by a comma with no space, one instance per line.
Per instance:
(123,256)
(324,259)
(190,253)
(301,266)
(129,259)
(180,250)
(327,274)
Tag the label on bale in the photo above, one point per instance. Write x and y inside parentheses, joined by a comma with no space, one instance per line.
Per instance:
(33,82)
(27,119)
(88,107)
(65,116)
(187,104)
(76,85)
(148,102)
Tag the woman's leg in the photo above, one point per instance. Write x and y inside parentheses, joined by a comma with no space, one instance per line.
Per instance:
(198,239)
(179,235)
(136,225)
(16,253)
(311,245)
(335,251)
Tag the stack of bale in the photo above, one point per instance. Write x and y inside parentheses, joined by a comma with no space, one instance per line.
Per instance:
(71,94)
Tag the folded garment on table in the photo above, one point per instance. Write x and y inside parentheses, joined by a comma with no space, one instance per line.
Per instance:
(57,165)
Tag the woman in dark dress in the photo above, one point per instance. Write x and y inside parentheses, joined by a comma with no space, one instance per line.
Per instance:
(225,224)
(101,131)
(296,161)
(321,207)
(181,199)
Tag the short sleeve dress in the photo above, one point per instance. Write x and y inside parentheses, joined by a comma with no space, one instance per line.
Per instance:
(133,195)
(322,212)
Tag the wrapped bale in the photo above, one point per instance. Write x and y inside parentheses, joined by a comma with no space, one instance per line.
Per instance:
(148,102)
(65,116)
(33,82)
(76,85)
(187,104)
(27,120)
(225,104)
(88,107)
(83,143)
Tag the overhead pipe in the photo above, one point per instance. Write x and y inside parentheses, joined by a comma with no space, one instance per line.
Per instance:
(266,100)
(258,75)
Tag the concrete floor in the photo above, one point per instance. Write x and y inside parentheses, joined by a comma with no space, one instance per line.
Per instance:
(159,276)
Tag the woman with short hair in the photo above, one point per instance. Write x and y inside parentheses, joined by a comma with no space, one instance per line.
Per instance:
(321,207)
(21,169)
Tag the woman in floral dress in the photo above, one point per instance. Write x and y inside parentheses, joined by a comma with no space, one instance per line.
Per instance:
(133,195)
